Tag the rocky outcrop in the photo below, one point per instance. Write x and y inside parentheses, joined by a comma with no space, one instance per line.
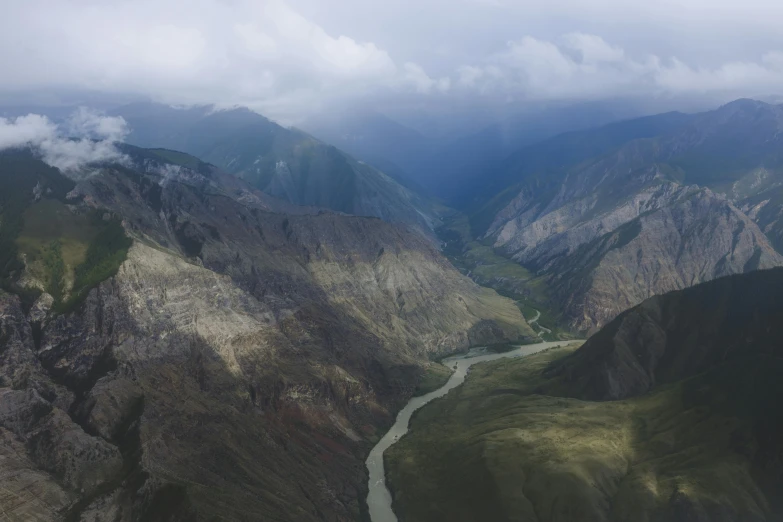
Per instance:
(699,238)
(664,237)
(679,334)
(49,461)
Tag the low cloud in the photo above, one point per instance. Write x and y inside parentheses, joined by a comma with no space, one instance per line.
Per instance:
(260,54)
(585,66)
(84,138)
(290,58)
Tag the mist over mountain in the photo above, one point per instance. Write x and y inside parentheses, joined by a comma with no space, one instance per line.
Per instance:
(444,166)
(286,163)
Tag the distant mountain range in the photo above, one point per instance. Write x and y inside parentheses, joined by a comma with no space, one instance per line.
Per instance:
(247,289)
(452,168)
(608,217)
(285,163)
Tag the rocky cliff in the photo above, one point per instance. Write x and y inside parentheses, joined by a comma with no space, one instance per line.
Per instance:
(238,364)
(655,215)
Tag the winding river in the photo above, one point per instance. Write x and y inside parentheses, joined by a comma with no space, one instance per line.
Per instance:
(379,499)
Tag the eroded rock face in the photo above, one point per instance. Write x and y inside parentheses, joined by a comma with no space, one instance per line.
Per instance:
(50,460)
(600,261)
(112,404)
(29,493)
(241,361)
(700,238)
(698,202)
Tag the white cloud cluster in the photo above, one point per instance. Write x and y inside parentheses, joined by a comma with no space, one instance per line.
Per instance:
(585,66)
(261,54)
(86,137)
(288,58)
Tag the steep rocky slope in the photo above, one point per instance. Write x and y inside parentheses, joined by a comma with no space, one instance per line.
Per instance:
(696,238)
(692,430)
(237,365)
(655,215)
(285,163)
(549,157)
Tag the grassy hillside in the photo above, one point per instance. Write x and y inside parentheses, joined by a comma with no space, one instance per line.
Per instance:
(508,446)
(47,245)
(23,178)
(488,268)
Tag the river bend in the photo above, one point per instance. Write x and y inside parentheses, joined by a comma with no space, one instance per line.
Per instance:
(379,499)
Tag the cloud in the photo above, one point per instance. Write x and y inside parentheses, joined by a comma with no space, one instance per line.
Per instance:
(585,66)
(92,124)
(261,54)
(416,76)
(593,49)
(84,138)
(289,58)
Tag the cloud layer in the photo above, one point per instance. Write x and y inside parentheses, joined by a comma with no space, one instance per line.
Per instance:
(585,66)
(289,58)
(86,137)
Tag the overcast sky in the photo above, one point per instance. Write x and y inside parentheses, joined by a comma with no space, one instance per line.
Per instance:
(288,59)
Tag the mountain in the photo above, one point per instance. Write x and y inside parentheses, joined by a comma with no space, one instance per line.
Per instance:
(677,335)
(487,196)
(374,138)
(455,169)
(669,413)
(654,215)
(285,163)
(176,345)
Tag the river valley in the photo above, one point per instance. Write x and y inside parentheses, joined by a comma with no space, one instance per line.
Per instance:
(379,500)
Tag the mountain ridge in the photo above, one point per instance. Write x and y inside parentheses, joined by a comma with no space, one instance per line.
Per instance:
(666,179)
(286,163)
(282,341)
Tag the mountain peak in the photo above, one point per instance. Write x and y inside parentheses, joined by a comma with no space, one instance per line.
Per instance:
(744,104)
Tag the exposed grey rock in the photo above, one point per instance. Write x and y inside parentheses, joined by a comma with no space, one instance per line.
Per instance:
(571,217)
(40,308)
(112,404)
(21,411)
(108,508)
(80,462)
(27,492)
(613,236)
(83,463)
(699,238)
(19,367)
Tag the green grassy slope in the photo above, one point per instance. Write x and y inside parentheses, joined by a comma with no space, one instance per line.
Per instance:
(64,250)
(507,446)
(510,279)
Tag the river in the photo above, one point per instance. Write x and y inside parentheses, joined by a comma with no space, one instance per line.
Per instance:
(379,499)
